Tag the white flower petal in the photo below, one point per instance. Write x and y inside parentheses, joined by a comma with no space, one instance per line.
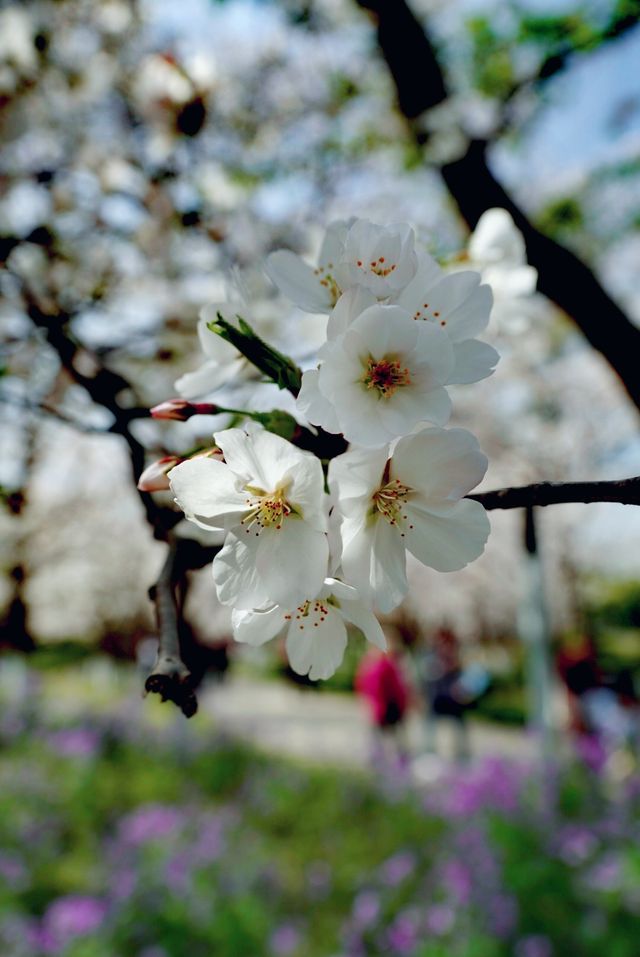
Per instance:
(205,489)
(291,561)
(412,298)
(472,315)
(380,258)
(457,304)
(406,409)
(333,244)
(433,350)
(357,547)
(306,490)
(348,307)
(440,464)
(341,369)
(362,423)
(511,282)
(361,615)
(298,282)
(384,329)
(266,460)
(257,626)
(449,541)
(240,455)
(474,360)
(317,647)
(422,353)
(237,579)
(312,403)
(334,539)
(388,567)
(374,560)
(497,240)
(207,378)
(355,475)
(333,586)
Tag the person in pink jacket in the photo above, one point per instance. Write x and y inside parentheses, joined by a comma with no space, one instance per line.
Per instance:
(380,681)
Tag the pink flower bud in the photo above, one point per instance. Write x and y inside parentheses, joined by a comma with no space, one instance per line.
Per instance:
(181,410)
(154,478)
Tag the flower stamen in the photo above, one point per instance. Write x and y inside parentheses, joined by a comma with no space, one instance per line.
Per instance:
(389,501)
(265,510)
(328,281)
(385,375)
(316,610)
(378,267)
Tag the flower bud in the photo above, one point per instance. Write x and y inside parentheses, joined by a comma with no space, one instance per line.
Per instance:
(181,410)
(154,478)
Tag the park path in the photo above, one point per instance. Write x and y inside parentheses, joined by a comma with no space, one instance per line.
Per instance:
(318,726)
(333,728)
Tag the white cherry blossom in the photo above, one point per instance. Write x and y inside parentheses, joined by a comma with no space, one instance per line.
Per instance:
(269,497)
(223,363)
(379,379)
(381,259)
(460,305)
(497,249)
(358,253)
(456,302)
(312,289)
(411,501)
(316,628)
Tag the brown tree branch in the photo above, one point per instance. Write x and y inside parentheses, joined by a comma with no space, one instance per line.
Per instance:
(564,278)
(619,23)
(44,409)
(170,678)
(105,388)
(625,491)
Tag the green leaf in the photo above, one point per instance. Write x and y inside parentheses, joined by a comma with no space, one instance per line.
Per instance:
(279,368)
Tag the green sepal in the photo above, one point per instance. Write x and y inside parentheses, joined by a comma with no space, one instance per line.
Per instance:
(277,421)
(277,367)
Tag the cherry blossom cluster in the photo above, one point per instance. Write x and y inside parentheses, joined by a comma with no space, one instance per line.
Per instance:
(315,544)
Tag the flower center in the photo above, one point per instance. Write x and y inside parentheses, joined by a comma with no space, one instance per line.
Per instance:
(328,281)
(385,375)
(265,509)
(310,613)
(379,267)
(390,499)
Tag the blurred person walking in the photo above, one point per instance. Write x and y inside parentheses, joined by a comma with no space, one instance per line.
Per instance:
(603,707)
(449,691)
(380,681)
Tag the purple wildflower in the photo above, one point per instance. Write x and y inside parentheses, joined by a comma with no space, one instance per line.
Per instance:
(151,822)
(70,917)
(534,945)
(285,940)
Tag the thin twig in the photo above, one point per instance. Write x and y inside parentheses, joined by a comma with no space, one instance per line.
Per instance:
(625,491)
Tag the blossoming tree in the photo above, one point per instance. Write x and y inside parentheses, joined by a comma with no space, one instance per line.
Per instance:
(107,255)
(314,537)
